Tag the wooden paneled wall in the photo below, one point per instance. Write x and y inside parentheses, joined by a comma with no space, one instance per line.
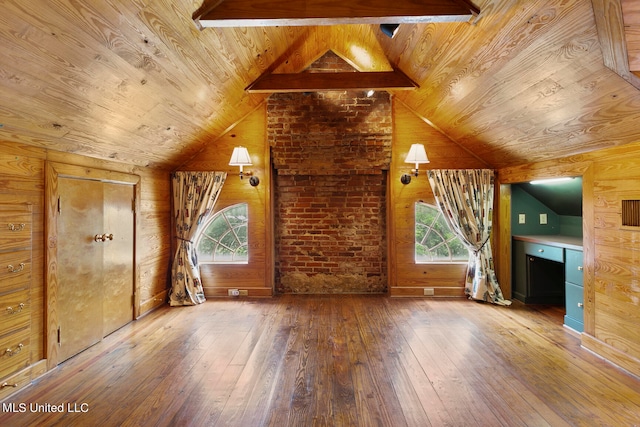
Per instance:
(405,276)
(611,251)
(22,180)
(257,276)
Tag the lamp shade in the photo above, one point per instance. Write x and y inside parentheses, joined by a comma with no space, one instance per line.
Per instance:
(417,155)
(240,157)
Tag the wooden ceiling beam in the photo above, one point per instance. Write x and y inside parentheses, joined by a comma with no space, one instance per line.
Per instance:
(318,82)
(264,13)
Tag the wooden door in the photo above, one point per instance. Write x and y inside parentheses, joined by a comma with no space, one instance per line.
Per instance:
(80,276)
(118,259)
(95,261)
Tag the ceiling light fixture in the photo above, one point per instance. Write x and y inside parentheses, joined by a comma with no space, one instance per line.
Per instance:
(389,30)
(550,180)
(240,157)
(417,155)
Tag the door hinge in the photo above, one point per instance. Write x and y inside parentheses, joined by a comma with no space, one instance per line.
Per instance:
(59,209)
(133,205)
(58,335)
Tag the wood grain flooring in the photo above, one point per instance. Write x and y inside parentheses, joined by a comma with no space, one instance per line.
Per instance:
(341,360)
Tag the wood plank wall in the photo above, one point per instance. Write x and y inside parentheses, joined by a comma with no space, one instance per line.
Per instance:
(405,276)
(611,251)
(257,276)
(22,180)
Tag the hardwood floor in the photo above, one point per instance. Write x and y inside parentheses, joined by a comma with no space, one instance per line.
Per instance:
(343,360)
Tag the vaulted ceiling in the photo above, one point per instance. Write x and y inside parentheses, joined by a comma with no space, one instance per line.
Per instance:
(136,81)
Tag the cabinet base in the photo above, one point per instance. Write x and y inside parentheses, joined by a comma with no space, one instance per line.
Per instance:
(574,324)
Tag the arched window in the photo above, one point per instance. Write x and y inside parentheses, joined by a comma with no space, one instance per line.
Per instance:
(435,242)
(224,238)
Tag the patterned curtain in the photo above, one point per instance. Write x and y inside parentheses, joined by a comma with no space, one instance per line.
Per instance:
(194,195)
(465,197)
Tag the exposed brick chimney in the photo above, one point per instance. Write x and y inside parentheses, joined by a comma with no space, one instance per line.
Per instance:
(330,151)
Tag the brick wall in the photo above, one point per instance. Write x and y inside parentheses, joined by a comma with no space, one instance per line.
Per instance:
(330,233)
(330,152)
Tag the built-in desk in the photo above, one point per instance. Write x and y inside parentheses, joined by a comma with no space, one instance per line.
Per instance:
(548,270)
(566,242)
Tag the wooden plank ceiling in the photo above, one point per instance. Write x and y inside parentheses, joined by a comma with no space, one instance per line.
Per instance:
(138,82)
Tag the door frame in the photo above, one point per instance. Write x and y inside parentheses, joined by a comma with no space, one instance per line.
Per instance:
(54,170)
(543,170)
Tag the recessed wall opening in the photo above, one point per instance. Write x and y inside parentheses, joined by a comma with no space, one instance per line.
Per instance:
(546,226)
(545,281)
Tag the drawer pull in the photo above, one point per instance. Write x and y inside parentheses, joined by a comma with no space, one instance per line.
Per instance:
(6,384)
(580,268)
(11,352)
(12,269)
(580,305)
(12,310)
(540,250)
(14,227)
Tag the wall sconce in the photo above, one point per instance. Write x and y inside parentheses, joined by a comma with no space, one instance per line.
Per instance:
(240,157)
(417,155)
(389,30)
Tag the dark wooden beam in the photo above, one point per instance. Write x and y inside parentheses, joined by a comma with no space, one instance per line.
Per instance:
(318,82)
(262,13)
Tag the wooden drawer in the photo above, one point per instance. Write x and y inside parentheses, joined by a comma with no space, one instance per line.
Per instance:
(551,253)
(15,270)
(14,383)
(14,352)
(574,295)
(15,311)
(15,230)
(573,263)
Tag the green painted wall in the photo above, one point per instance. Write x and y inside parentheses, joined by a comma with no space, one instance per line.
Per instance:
(524,203)
(571,225)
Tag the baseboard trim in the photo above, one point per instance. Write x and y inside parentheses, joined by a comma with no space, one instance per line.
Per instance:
(611,354)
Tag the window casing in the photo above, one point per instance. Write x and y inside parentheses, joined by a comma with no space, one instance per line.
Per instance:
(435,242)
(224,239)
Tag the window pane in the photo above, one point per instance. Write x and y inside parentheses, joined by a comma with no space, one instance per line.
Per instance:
(237,215)
(435,242)
(205,248)
(224,238)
